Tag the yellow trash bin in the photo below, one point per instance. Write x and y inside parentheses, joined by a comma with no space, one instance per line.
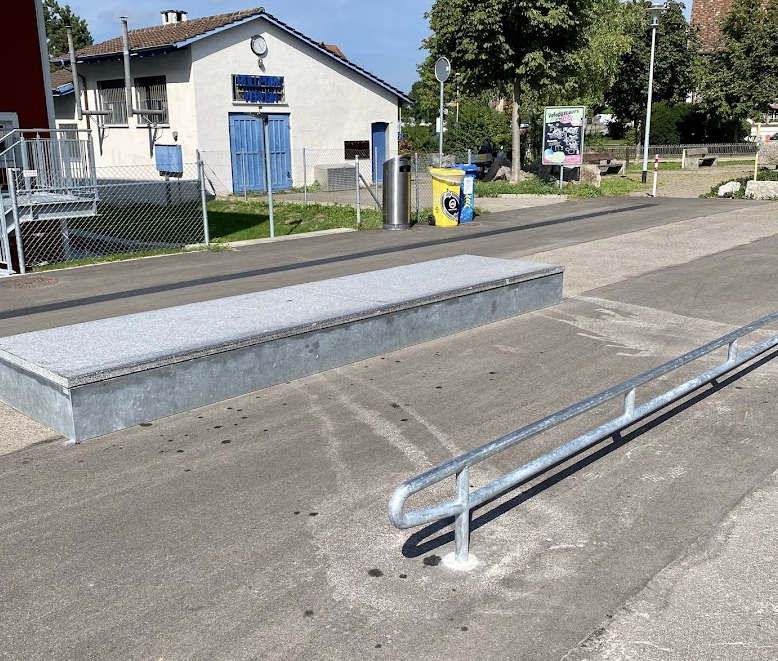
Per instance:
(445,195)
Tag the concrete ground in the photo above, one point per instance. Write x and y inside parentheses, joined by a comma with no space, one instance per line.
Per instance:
(256,528)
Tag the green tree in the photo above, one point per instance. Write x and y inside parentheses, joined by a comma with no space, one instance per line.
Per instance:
(57,19)
(609,37)
(477,122)
(677,50)
(514,46)
(741,80)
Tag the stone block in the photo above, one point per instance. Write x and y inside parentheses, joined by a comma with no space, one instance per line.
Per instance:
(762,190)
(101,376)
(729,189)
(590,175)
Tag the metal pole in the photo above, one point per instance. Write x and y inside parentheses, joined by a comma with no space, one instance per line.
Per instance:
(17,222)
(375,176)
(74,70)
(440,147)
(127,78)
(756,157)
(356,169)
(561,176)
(469,156)
(25,162)
(201,177)
(462,520)
(418,211)
(656,172)
(305,180)
(243,156)
(654,23)
(269,175)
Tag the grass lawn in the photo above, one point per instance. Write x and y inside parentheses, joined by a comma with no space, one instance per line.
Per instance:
(676,165)
(611,185)
(235,220)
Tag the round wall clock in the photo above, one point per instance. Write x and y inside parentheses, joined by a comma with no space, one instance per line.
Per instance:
(259,45)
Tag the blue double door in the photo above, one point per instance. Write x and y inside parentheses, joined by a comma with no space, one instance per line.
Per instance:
(247,149)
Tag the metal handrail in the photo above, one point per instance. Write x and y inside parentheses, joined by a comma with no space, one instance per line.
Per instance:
(465,501)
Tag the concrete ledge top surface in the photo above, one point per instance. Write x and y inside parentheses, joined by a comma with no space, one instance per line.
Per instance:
(84,353)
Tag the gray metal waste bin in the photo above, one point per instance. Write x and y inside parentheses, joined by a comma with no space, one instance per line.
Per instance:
(397,193)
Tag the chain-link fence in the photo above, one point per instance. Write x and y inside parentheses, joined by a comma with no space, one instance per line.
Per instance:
(322,176)
(47,219)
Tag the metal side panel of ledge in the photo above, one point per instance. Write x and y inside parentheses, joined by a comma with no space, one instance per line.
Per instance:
(463,501)
(101,376)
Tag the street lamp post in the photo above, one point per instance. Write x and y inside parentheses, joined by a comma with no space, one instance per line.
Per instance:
(655,11)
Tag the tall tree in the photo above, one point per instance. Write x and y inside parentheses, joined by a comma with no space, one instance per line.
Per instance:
(516,46)
(741,80)
(676,53)
(57,19)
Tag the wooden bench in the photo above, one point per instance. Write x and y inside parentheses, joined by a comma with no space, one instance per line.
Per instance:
(605,162)
(695,158)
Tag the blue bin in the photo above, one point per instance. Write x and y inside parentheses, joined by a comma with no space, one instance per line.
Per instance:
(467,192)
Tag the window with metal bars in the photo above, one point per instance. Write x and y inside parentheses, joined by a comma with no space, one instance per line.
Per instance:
(151,93)
(111,98)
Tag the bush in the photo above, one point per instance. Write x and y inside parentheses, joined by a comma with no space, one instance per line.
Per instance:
(476,123)
(687,123)
(419,138)
(763,175)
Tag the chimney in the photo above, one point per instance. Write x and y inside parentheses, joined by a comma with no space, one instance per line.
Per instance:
(173,16)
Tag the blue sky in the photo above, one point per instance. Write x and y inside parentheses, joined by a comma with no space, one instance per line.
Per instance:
(382,36)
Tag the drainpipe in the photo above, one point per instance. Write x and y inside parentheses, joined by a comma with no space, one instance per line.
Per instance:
(127,79)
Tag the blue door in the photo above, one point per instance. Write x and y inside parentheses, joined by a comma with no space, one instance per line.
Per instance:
(378,152)
(247,149)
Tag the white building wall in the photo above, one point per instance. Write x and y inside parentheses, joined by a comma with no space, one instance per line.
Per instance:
(131,144)
(328,102)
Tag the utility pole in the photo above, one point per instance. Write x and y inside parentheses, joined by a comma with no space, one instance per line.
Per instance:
(655,11)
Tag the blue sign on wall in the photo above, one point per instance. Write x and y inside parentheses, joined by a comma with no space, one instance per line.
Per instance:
(258,89)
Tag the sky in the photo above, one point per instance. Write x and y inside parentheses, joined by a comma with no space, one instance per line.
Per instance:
(383,36)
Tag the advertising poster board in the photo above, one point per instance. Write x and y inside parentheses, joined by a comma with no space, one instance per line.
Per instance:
(563,135)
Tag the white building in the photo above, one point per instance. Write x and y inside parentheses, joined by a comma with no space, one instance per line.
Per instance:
(212,76)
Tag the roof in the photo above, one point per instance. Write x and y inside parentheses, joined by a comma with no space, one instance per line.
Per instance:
(173,36)
(61,82)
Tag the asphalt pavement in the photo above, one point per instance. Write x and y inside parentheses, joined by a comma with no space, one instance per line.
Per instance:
(256,528)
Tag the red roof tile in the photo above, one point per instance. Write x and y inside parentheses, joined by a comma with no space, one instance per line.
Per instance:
(169,34)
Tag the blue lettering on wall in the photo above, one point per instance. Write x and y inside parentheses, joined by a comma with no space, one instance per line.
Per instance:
(258,89)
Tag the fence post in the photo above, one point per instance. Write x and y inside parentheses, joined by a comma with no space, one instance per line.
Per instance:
(305,180)
(269,175)
(356,166)
(201,177)
(418,211)
(25,162)
(17,222)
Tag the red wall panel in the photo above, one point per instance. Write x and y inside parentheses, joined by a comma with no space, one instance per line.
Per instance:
(23,90)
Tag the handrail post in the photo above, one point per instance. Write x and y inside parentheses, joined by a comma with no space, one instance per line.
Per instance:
(462,520)
(629,404)
(732,351)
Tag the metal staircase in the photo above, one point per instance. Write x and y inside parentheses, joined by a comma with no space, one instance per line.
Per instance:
(47,177)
